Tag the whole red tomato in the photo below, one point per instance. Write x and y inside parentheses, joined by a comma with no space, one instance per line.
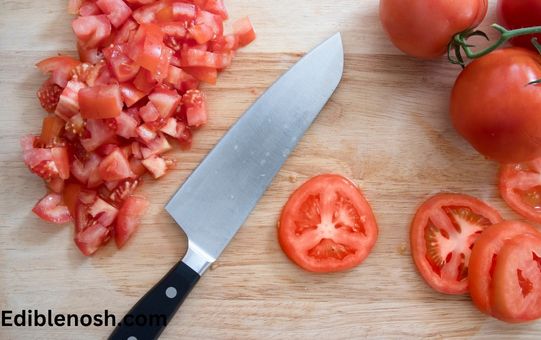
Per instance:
(514,14)
(496,109)
(424,28)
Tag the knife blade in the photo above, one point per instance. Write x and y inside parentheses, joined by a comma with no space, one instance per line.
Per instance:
(219,195)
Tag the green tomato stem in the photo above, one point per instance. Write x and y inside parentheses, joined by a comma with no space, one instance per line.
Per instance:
(506,35)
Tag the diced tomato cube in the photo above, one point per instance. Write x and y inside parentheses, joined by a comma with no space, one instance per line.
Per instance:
(100,102)
(129,217)
(165,101)
(51,128)
(149,113)
(117,11)
(82,171)
(213,21)
(99,133)
(183,11)
(146,47)
(92,238)
(216,7)
(103,212)
(68,103)
(244,29)
(126,125)
(194,57)
(147,14)
(205,74)
(174,29)
(180,79)
(201,33)
(61,161)
(50,209)
(146,133)
(124,69)
(144,81)
(91,30)
(174,128)
(130,94)
(125,32)
(115,167)
(224,44)
(89,55)
(197,115)
(156,166)
(156,147)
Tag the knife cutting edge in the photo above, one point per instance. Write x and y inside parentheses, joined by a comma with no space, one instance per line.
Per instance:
(219,195)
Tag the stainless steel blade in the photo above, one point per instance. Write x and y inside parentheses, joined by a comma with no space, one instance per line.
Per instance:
(218,197)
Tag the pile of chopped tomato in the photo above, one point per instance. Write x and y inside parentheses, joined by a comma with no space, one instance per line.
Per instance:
(116,112)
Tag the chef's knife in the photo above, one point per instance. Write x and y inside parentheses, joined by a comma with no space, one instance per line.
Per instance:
(219,195)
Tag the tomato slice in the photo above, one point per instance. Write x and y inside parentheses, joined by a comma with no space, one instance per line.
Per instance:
(484,256)
(443,231)
(516,295)
(520,187)
(129,217)
(327,225)
(50,209)
(115,167)
(100,101)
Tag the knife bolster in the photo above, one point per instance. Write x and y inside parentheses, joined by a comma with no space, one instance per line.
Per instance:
(197,259)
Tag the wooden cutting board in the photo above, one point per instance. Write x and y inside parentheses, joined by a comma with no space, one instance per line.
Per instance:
(386,127)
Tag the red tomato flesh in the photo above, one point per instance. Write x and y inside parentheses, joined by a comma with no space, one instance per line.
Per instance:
(443,231)
(100,102)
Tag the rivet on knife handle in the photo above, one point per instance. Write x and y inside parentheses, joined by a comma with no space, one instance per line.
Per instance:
(148,318)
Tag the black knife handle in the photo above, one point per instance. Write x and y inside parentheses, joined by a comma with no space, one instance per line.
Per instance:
(148,318)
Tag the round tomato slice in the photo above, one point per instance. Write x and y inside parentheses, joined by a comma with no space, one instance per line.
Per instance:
(484,256)
(516,296)
(443,232)
(327,225)
(520,187)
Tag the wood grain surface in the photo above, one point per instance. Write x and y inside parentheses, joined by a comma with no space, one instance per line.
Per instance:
(387,128)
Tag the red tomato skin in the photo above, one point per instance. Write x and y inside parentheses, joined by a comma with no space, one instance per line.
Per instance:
(494,108)
(418,241)
(129,217)
(50,209)
(287,233)
(488,245)
(60,67)
(514,14)
(509,302)
(423,29)
(100,102)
